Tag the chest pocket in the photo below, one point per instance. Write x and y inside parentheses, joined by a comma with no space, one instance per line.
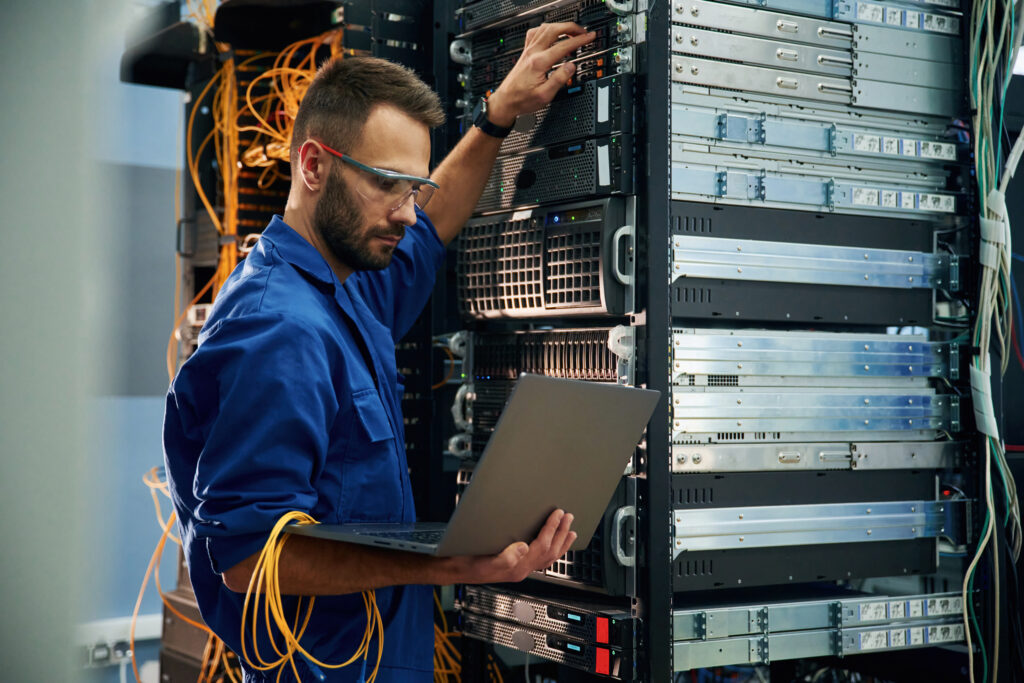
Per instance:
(371,487)
(372,416)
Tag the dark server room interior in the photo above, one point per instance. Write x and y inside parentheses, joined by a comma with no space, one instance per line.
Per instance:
(795,224)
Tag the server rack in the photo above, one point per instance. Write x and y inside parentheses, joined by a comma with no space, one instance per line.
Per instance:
(801,184)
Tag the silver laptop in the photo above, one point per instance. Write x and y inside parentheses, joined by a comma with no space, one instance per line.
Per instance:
(559,443)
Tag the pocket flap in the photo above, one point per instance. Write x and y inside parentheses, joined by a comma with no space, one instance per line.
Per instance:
(372,415)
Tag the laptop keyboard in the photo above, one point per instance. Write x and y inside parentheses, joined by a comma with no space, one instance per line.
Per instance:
(429,537)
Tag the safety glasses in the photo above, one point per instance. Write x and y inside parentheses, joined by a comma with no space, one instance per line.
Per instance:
(389,188)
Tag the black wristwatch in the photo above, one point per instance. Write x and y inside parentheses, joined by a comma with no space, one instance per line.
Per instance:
(481,121)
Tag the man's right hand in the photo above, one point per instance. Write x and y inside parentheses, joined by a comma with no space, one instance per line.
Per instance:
(518,560)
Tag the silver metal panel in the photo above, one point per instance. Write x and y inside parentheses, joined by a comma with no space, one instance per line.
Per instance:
(784,525)
(844,609)
(814,456)
(752,126)
(805,434)
(761,649)
(910,70)
(902,97)
(703,654)
(759,22)
(761,51)
(760,79)
(823,355)
(787,163)
(804,186)
(696,256)
(911,125)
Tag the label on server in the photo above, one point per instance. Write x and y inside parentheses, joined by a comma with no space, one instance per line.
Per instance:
(866,143)
(872,611)
(897,610)
(870,12)
(865,196)
(916,636)
(940,607)
(874,640)
(915,608)
(898,638)
(947,633)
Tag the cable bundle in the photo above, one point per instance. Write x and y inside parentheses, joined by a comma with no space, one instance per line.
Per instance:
(290,77)
(265,580)
(216,657)
(996,29)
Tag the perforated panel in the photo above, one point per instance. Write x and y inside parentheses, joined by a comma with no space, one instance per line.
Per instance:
(573,115)
(571,354)
(499,266)
(573,268)
(560,173)
(549,262)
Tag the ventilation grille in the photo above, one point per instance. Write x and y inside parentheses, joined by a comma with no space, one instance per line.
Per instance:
(511,269)
(573,270)
(479,13)
(585,566)
(554,174)
(691,295)
(569,354)
(691,225)
(695,496)
(570,118)
(499,266)
(694,567)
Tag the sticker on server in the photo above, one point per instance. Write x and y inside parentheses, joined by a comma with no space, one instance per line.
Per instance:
(872,611)
(916,636)
(897,610)
(889,199)
(908,201)
(874,640)
(940,607)
(947,633)
(865,196)
(915,608)
(942,203)
(938,150)
(867,11)
(898,638)
(866,143)
(913,19)
(893,16)
(909,148)
(941,23)
(891,145)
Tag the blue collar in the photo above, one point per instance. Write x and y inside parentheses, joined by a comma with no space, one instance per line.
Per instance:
(294,249)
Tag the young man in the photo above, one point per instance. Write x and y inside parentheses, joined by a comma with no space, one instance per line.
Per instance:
(292,400)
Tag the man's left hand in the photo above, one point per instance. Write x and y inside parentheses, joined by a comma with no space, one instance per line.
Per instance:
(531,84)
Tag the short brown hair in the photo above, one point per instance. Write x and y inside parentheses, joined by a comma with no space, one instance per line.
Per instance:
(346,89)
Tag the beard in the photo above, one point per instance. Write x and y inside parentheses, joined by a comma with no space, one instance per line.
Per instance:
(338,220)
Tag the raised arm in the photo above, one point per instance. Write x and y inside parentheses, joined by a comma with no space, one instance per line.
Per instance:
(529,86)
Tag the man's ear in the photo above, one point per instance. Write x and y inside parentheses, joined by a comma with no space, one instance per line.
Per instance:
(312,168)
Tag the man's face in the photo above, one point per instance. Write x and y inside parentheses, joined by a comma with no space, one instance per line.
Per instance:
(359,233)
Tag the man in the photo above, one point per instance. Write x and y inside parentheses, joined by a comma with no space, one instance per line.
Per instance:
(292,400)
